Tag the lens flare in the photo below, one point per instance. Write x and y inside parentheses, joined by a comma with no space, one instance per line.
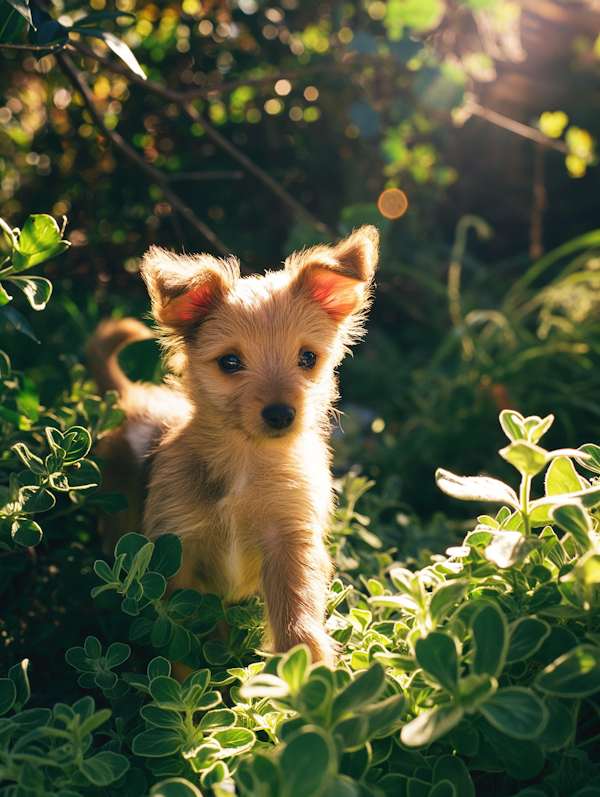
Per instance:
(392,203)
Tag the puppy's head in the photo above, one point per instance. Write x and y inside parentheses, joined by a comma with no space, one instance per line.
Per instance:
(257,355)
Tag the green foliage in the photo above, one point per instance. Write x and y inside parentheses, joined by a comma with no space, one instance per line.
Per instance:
(472,673)
(484,663)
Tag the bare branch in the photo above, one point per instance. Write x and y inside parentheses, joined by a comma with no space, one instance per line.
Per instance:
(181,99)
(349,62)
(237,175)
(255,169)
(78,83)
(474,109)
(49,48)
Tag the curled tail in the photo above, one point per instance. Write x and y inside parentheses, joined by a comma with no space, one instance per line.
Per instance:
(110,337)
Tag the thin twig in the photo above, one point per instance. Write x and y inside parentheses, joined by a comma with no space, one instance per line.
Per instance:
(473,108)
(238,175)
(78,83)
(224,88)
(540,203)
(50,48)
(182,99)
(256,170)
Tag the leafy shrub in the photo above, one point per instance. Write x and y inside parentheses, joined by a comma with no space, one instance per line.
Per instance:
(476,673)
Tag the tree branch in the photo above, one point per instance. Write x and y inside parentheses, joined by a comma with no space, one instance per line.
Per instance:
(182,99)
(474,109)
(256,170)
(224,88)
(78,83)
(50,48)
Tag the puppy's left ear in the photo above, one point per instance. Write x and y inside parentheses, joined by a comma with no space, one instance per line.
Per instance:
(339,277)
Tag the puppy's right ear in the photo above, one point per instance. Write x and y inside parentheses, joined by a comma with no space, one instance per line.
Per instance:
(184,289)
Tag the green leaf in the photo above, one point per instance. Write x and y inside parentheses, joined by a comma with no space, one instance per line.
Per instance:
(508,548)
(307,761)
(8,695)
(516,711)
(36,499)
(157,743)
(575,674)
(446,596)
(512,425)
(488,628)
(86,478)
(18,675)
(365,688)
(184,603)
(111,503)
(573,518)
(104,768)
(175,787)
(218,720)
(437,655)
(586,571)
(129,545)
(559,728)
(353,732)
(116,654)
(292,667)
(40,239)
(451,768)
(159,666)
(526,635)
(154,585)
(37,290)
(443,788)
(22,6)
(430,725)
(118,47)
(561,477)
(314,696)
(167,693)
(167,555)
(526,457)
(19,322)
(476,488)
(523,759)
(30,460)
(77,443)
(162,631)
(92,647)
(382,716)
(162,717)
(181,643)
(264,685)
(26,532)
(592,461)
(103,571)
(234,741)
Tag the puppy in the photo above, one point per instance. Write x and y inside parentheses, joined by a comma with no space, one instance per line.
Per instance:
(234,445)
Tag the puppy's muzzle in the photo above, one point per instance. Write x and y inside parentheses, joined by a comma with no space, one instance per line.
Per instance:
(279,416)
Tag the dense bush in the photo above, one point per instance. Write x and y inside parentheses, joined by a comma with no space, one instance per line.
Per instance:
(473,672)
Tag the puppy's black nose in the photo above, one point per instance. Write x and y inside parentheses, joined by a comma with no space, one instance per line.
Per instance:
(279,416)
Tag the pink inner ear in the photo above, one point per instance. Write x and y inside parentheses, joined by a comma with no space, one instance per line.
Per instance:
(338,295)
(188,306)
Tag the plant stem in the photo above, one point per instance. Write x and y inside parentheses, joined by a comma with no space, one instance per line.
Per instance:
(524,497)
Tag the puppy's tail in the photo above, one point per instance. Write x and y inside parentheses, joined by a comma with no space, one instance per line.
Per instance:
(110,337)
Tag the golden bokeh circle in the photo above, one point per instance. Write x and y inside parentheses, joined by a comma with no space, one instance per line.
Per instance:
(392,203)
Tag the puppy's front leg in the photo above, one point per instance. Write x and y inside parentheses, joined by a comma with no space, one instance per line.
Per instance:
(295,577)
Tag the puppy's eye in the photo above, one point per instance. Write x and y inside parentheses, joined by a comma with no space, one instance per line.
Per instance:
(230,363)
(307,360)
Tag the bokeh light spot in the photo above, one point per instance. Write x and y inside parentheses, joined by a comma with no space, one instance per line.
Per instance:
(392,203)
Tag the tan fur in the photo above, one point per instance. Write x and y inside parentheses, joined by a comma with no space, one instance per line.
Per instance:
(250,504)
